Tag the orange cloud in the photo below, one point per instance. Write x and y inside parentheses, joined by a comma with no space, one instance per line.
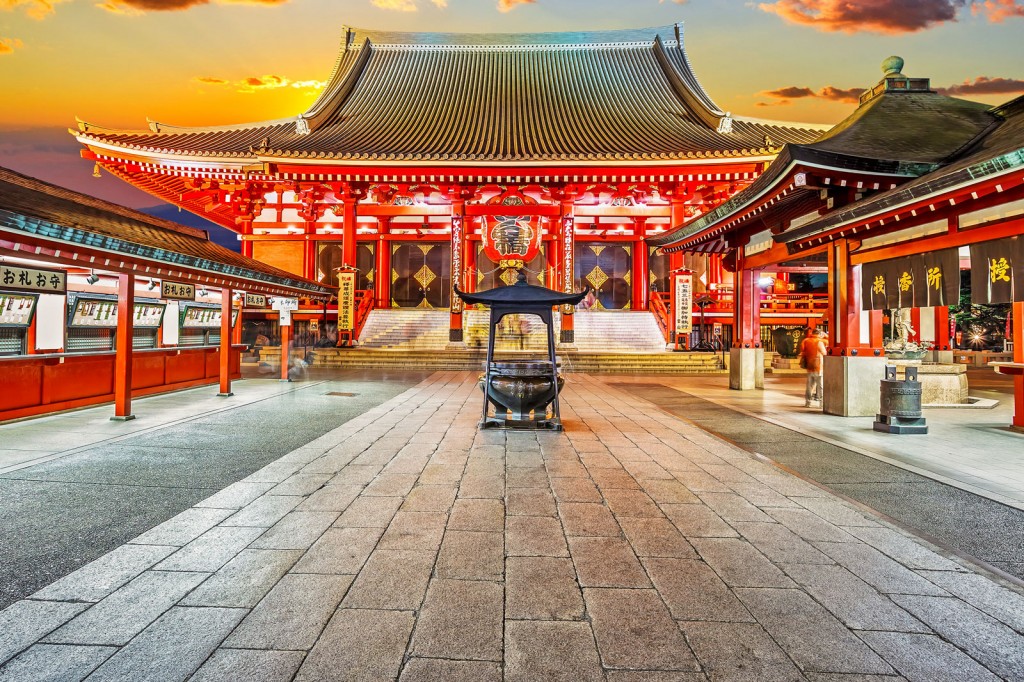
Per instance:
(983,85)
(9,45)
(509,5)
(253,84)
(133,7)
(886,16)
(37,9)
(405,5)
(829,92)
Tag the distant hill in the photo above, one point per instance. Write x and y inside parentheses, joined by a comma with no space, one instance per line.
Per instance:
(218,234)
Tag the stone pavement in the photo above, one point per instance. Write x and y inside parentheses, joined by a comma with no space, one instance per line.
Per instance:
(408,545)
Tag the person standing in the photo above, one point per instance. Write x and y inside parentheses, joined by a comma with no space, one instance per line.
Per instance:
(812,353)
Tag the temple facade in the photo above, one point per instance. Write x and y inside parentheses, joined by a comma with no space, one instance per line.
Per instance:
(439,160)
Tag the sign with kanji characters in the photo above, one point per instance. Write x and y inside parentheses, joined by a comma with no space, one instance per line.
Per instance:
(17,278)
(255,300)
(682,301)
(346,300)
(285,303)
(92,312)
(16,309)
(149,315)
(178,291)
(997,271)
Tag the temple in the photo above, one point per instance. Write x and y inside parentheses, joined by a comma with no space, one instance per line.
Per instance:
(436,160)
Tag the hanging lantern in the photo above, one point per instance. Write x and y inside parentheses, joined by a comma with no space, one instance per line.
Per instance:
(512,241)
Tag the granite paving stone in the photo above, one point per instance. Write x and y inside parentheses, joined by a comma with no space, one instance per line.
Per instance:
(460,619)
(300,484)
(575,490)
(739,652)
(733,507)
(441,670)
(415,530)
(780,544)
(236,495)
(693,591)
(981,592)
(926,658)
(910,553)
(471,555)
(587,519)
(475,514)
(392,579)
(554,651)
(852,600)
(631,503)
(369,512)
(634,630)
(669,491)
(249,665)
(483,486)
(330,498)
(55,663)
(878,570)
(542,588)
(697,521)
(534,536)
(606,562)
(355,475)
(211,550)
(183,528)
(987,640)
(811,636)
(430,498)
(359,644)
(26,621)
(244,580)
(740,564)
(530,501)
(263,512)
(810,526)
(339,551)
(172,648)
(656,537)
(129,610)
(292,614)
(297,530)
(97,579)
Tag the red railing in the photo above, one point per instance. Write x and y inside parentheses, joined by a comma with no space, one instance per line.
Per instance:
(364,304)
(722,302)
(660,302)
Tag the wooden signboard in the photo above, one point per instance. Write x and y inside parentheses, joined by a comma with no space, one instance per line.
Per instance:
(682,300)
(16,310)
(255,300)
(17,278)
(346,301)
(178,291)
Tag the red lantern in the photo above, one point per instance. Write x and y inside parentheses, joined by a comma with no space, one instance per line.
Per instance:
(515,238)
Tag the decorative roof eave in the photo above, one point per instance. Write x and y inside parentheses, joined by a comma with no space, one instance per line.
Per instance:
(778,180)
(902,199)
(753,156)
(132,152)
(60,234)
(710,116)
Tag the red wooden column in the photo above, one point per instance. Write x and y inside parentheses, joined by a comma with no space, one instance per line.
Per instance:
(348,231)
(246,243)
(747,308)
(286,338)
(310,253)
(844,301)
(915,323)
(941,328)
(123,339)
(458,266)
(1018,356)
(641,280)
(226,337)
(877,339)
(382,278)
(678,216)
(567,262)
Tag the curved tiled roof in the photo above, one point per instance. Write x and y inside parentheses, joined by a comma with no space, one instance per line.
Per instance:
(479,98)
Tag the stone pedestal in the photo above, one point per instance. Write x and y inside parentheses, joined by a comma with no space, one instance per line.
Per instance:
(944,384)
(746,368)
(941,357)
(851,385)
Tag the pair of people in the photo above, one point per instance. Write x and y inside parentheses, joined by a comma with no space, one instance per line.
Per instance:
(812,354)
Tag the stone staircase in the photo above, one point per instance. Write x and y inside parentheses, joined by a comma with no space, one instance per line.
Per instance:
(606,342)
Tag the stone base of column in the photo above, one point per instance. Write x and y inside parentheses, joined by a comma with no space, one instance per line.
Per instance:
(746,368)
(567,336)
(851,385)
(125,418)
(943,357)
(455,335)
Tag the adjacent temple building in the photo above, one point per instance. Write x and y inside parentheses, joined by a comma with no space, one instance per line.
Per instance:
(435,160)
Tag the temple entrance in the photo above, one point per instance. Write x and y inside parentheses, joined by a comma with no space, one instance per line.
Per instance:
(606,268)
(328,262)
(421,275)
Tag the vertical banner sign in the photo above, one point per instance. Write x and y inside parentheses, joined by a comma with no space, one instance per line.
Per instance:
(874,284)
(684,303)
(905,282)
(568,264)
(992,272)
(347,301)
(937,278)
(458,246)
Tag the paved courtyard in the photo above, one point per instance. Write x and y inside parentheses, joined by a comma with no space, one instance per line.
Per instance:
(405,544)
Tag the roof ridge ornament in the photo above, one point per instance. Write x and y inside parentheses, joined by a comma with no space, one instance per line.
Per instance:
(725,124)
(301,125)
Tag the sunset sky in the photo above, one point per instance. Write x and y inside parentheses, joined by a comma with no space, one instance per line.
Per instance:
(206,62)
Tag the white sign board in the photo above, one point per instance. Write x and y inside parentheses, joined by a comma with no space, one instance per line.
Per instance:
(285,304)
(683,301)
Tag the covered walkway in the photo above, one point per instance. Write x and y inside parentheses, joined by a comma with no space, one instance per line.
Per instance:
(633,546)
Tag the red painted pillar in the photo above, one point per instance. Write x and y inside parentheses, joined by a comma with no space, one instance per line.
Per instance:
(747,309)
(942,328)
(678,216)
(641,285)
(877,340)
(470,279)
(382,278)
(844,299)
(310,253)
(123,341)
(226,337)
(915,323)
(1018,356)
(348,232)
(286,339)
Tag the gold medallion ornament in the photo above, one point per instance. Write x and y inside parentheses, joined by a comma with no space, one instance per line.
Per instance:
(425,276)
(597,277)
